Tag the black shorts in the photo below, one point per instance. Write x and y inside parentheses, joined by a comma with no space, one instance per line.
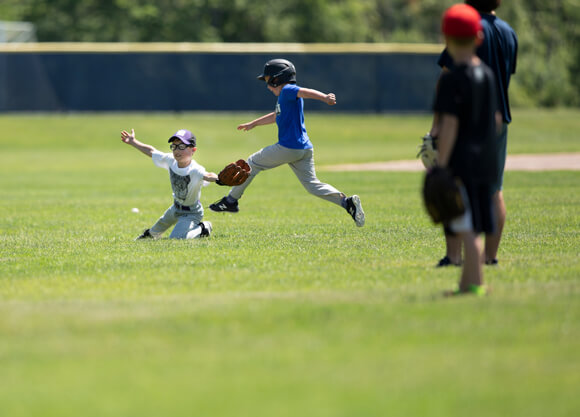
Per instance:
(500,159)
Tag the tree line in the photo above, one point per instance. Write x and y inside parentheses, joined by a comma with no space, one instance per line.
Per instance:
(548,72)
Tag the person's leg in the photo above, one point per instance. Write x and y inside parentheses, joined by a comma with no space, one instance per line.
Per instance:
(472,273)
(452,250)
(187,227)
(492,240)
(167,220)
(199,230)
(453,240)
(468,227)
(306,173)
(267,158)
(237,191)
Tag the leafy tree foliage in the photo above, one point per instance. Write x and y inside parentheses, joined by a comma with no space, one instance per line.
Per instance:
(549,31)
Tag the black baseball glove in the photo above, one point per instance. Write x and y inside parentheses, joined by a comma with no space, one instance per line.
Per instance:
(442,195)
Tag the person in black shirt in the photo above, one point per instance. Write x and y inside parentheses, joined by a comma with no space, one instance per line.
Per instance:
(499,51)
(466,102)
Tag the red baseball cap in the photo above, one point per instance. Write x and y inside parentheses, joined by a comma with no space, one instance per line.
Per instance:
(461,21)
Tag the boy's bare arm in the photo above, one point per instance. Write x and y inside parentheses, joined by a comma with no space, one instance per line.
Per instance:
(264,120)
(210,177)
(129,139)
(329,98)
(447,135)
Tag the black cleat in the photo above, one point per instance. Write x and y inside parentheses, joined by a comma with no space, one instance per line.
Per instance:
(354,208)
(223,205)
(145,235)
(206,229)
(445,261)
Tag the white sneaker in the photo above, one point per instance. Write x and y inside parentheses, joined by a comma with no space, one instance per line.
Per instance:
(206,229)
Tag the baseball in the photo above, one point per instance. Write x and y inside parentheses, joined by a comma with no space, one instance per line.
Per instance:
(135,210)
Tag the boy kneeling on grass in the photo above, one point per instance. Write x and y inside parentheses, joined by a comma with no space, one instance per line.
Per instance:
(186,177)
(467,103)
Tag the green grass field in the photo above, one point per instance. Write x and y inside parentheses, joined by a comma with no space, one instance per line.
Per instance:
(288,309)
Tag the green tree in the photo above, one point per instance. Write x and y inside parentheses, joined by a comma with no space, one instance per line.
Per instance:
(548,71)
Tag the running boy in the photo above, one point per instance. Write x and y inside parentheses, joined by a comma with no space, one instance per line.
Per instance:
(294,147)
(186,177)
(467,105)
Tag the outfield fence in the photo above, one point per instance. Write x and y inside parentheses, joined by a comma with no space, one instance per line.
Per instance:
(64,77)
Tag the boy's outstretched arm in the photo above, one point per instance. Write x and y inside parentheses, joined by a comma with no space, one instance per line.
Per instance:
(210,177)
(329,99)
(264,120)
(129,139)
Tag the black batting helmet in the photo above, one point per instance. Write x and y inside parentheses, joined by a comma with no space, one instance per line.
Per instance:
(280,71)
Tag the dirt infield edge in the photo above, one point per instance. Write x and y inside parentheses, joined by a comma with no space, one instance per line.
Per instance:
(524,162)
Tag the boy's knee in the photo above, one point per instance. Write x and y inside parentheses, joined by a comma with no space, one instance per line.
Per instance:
(178,236)
(255,168)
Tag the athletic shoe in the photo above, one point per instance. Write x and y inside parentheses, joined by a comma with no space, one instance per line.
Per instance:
(445,261)
(472,289)
(206,229)
(491,262)
(145,235)
(354,208)
(223,205)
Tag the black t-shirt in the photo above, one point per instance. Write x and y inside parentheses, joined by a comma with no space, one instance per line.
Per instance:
(468,92)
(499,51)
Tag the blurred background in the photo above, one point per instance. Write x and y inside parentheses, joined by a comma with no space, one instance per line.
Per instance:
(180,55)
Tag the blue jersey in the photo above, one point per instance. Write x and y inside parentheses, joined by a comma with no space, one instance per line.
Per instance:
(290,119)
(499,51)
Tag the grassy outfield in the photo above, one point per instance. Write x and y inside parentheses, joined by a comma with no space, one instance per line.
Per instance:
(288,309)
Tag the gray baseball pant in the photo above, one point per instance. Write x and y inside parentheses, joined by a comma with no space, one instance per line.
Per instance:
(302,163)
(186,223)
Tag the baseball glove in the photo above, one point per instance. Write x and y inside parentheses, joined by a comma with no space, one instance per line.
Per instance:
(428,151)
(442,195)
(235,173)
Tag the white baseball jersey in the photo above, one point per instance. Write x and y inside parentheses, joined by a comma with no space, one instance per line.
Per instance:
(186,182)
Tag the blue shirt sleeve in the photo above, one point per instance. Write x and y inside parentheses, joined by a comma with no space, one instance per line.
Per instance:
(289,93)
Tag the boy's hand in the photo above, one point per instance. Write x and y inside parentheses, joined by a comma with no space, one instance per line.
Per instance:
(128,137)
(246,126)
(428,151)
(330,99)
